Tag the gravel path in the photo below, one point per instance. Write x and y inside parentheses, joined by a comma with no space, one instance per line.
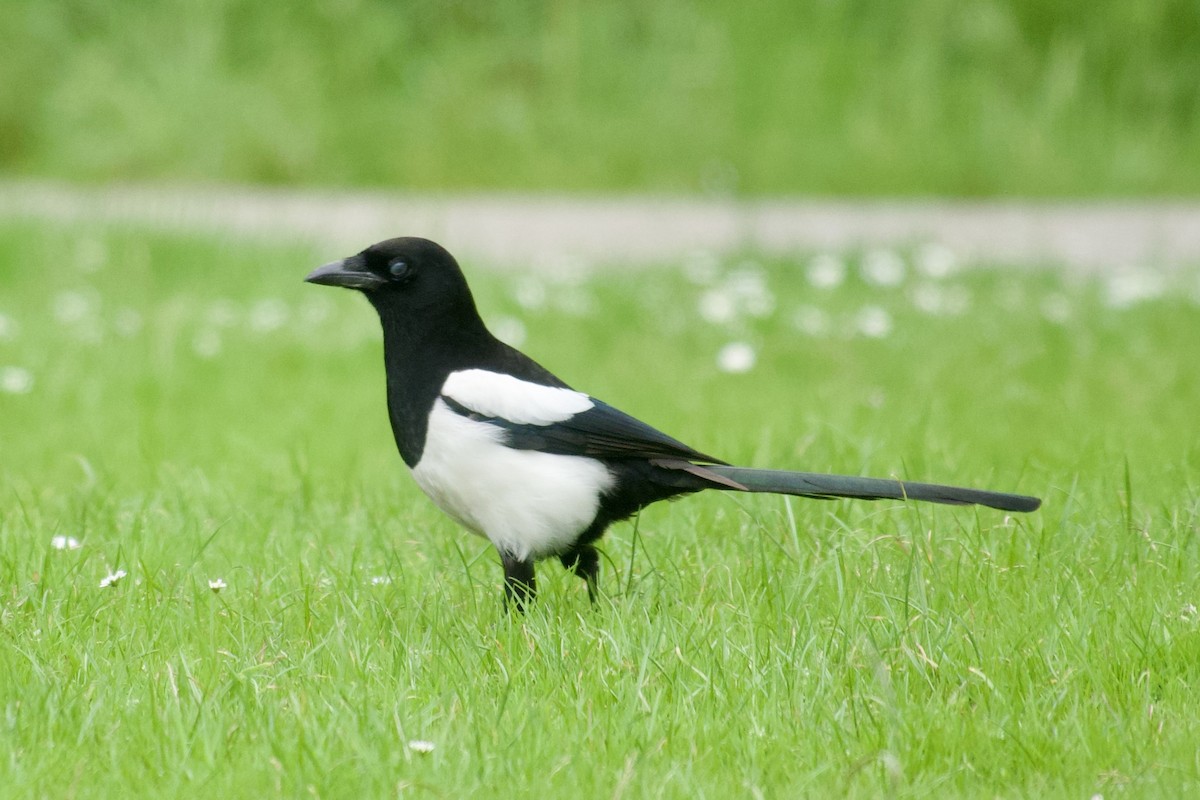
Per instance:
(545,231)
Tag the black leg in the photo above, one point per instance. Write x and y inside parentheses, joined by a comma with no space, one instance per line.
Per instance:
(519,585)
(585,562)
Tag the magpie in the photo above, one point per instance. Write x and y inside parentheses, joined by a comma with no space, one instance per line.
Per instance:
(516,455)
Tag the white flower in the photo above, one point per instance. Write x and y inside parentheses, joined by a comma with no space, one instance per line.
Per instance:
(222,314)
(811,320)
(826,271)
(268,315)
(531,293)
(207,343)
(216,585)
(70,307)
(78,311)
(736,357)
(743,291)
(509,330)
(717,306)
(935,298)
(65,543)
(1056,308)
(315,309)
(892,766)
(16,380)
(576,301)
(883,268)
(90,331)
(748,285)
(1134,286)
(874,322)
(935,260)
(380,580)
(421,746)
(928,298)
(112,579)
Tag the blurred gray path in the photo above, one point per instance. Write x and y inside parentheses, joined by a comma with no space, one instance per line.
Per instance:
(549,231)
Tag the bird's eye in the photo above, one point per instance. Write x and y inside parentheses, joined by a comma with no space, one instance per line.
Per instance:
(399,268)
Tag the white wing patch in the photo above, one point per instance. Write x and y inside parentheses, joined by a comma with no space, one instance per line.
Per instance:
(495,395)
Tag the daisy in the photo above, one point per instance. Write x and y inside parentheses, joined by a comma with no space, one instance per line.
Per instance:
(15,380)
(112,579)
(736,357)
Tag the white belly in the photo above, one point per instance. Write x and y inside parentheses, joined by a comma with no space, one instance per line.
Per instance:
(529,504)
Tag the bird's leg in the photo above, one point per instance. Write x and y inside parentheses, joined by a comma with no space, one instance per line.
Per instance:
(520,586)
(584,561)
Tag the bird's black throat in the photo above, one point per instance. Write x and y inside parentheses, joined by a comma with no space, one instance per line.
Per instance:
(418,358)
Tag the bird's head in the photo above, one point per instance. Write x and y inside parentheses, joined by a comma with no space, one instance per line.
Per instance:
(405,276)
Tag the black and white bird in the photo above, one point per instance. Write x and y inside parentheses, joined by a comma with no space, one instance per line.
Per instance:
(515,454)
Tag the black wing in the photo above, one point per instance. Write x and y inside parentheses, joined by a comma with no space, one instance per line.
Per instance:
(599,432)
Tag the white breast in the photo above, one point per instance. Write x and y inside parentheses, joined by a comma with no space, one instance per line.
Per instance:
(529,504)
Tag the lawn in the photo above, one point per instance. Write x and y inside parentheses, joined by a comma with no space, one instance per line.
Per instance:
(850,98)
(186,411)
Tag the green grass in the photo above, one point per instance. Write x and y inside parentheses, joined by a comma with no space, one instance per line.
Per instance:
(196,412)
(929,97)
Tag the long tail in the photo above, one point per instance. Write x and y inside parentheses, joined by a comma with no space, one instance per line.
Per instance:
(815,484)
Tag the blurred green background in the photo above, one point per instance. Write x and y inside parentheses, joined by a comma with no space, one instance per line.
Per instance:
(179,407)
(836,97)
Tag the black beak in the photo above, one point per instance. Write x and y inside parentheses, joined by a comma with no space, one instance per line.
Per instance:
(349,272)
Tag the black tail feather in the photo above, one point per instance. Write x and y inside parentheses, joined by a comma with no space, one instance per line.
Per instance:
(815,484)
